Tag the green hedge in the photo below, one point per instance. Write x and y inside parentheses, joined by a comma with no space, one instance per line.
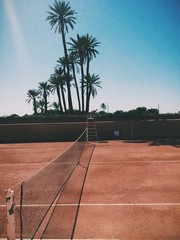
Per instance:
(82,118)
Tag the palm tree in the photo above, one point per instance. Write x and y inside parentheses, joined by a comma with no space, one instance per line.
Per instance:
(40,105)
(73,61)
(45,90)
(90,50)
(103,107)
(63,63)
(55,109)
(61,17)
(60,74)
(78,50)
(55,84)
(55,105)
(92,81)
(32,95)
(83,48)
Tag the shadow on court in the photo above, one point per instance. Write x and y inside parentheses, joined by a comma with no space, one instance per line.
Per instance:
(62,222)
(158,142)
(132,192)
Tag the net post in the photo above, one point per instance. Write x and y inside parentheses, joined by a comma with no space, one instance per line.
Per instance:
(87,135)
(10,214)
(21,202)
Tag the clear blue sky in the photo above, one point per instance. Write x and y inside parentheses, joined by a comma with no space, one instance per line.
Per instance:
(139,61)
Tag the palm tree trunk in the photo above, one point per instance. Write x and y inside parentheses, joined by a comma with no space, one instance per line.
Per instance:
(82,83)
(45,103)
(87,67)
(34,105)
(59,99)
(63,98)
(88,100)
(76,85)
(87,86)
(68,72)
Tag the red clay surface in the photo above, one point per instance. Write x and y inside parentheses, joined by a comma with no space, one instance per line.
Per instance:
(132,189)
(19,161)
(132,192)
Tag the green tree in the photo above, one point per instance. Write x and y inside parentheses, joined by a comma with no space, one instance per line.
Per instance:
(45,90)
(61,17)
(92,81)
(78,51)
(141,110)
(60,74)
(83,48)
(40,105)
(55,82)
(153,111)
(55,105)
(73,60)
(91,44)
(32,95)
(90,51)
(103,107)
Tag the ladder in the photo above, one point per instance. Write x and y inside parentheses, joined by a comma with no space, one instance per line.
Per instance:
(91,128)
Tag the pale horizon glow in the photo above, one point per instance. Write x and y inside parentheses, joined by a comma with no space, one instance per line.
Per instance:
(138,64)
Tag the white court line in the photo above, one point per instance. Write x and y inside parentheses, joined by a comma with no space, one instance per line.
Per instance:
(66,238)
(19,164)
(135,161)
(34,164)
(99,204)
(93,162)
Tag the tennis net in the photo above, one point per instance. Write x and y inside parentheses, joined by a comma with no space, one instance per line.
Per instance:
(38,193)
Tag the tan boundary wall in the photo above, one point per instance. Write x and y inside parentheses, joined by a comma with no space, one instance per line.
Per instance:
(41,132)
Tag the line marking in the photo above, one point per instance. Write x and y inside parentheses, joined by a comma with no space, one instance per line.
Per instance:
(23,164)
(99,204)
(66,238)
(143,161)
(35,164)
(66,163)
(130,204)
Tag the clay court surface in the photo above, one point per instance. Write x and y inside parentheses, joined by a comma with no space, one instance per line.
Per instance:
(131,189)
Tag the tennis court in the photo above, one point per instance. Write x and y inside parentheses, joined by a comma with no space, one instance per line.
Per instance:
(118,190)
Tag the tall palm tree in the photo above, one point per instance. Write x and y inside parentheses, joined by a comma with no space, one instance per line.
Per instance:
(61,17)
(55,86)
(91,44)
(90,51)
(45,90)
(78,50)
(60,74)
(32,95)
(92,81)
(84,49)
(63,63)
(73,61)
(40,105)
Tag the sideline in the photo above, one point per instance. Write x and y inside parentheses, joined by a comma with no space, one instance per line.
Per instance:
(99,204)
